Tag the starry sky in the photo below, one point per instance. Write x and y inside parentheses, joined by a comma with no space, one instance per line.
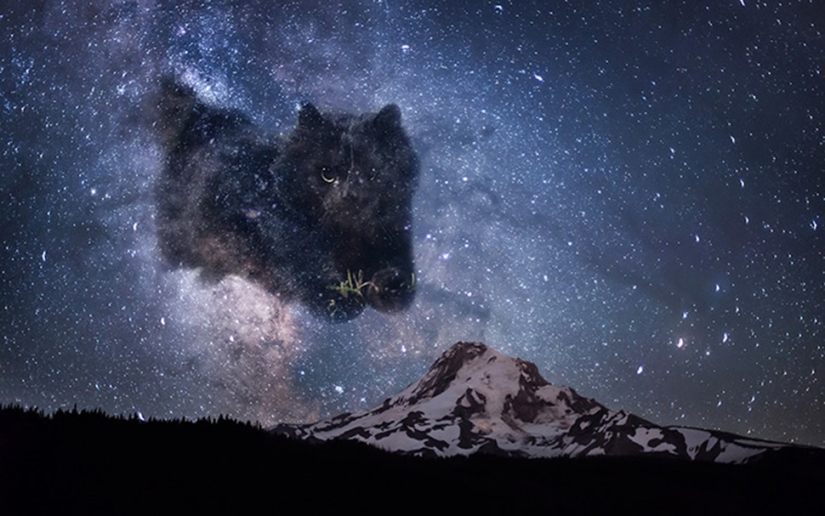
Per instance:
(629,194)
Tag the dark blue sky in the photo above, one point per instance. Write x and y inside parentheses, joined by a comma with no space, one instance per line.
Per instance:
(631,196)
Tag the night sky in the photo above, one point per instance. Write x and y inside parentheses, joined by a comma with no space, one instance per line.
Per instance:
(629,194)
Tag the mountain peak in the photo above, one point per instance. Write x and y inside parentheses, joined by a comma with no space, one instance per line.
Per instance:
(465,354)
(474,399)
(444,371)
(493,385)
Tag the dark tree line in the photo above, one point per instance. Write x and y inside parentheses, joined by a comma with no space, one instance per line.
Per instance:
(87,462)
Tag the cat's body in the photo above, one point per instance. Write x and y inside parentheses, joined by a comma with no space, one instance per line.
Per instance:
(321,216)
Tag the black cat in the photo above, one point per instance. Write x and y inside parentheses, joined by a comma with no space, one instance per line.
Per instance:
(321,216)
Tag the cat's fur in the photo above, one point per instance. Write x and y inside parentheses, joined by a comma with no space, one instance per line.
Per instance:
(321,216)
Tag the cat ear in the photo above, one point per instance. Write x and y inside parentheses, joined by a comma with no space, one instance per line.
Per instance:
(388,118)
(309,117)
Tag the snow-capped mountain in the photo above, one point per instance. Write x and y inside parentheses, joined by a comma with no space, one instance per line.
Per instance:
(475,399)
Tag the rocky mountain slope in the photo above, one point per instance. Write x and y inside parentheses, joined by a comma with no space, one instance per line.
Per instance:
(475,399)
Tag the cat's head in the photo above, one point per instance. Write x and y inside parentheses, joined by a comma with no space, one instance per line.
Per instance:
(357,174)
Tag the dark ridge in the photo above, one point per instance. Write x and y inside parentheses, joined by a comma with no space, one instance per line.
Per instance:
(89,463)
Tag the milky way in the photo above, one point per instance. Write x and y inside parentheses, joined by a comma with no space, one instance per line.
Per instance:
(632,196)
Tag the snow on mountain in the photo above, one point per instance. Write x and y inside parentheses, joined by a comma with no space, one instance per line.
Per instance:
(475,399)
